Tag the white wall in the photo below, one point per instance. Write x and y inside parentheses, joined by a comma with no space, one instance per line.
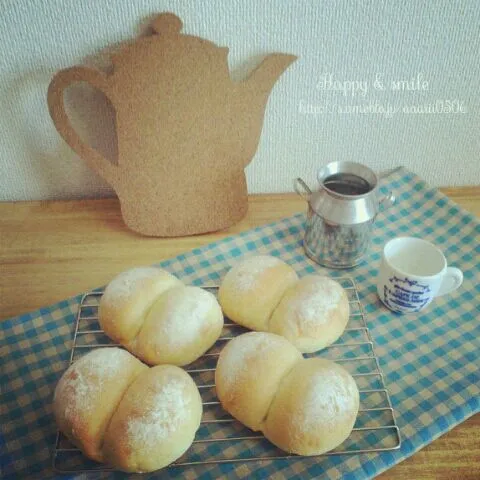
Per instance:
(304,127)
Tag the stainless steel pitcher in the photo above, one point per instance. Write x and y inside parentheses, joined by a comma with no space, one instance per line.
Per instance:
(341,213)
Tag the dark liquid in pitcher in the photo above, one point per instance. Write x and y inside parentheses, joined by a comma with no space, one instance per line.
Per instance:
(347,184)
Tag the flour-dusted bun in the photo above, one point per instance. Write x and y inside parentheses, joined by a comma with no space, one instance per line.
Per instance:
(303,406)
(157,318)
(119,411)
(315,408)
(263,293)
(88,394)
(248,373)
(251,290)
(312,314)
(128,298)
(180,327)
(155,422)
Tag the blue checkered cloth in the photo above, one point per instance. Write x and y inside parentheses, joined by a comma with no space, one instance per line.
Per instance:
(430,360)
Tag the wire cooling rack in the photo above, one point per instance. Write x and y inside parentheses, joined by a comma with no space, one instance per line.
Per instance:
(221,438)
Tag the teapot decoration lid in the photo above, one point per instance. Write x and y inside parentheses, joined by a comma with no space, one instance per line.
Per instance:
(165,29)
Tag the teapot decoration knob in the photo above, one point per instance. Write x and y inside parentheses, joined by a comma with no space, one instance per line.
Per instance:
(167,23)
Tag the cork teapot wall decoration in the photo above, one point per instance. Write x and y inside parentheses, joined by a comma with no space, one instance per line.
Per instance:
(186,131)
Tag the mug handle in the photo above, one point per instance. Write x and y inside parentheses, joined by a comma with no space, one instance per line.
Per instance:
(451,281)
(56,105)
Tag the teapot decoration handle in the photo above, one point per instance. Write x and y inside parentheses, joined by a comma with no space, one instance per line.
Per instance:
(56,105)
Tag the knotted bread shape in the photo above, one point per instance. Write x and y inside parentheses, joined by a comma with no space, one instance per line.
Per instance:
(119,411)
(303,406)
(264,293)
(159,319)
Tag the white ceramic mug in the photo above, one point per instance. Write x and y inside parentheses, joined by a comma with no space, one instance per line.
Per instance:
(412,273)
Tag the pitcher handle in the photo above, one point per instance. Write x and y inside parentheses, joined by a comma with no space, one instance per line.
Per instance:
(56,105)
(387,200)
(302,189)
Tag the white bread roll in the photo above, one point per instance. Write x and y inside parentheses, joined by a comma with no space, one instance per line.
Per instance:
(263,293)
(157,318)
(117,410)
(155,422)
(128,298)
(251,290)
(89,392)
(303,406)
(315,408)
(248,373)
(180,327)
(312,314)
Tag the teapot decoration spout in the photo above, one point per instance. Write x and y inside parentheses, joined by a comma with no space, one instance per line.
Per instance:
(185,130)
(264,77)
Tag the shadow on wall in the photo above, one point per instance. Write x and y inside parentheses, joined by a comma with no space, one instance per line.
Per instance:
(54,166)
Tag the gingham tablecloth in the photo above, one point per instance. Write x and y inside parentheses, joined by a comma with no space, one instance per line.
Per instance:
(430,360)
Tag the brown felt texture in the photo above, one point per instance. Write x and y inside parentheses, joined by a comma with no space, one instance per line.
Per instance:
(185,130)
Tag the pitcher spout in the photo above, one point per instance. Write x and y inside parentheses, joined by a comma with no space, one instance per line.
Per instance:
(263,78)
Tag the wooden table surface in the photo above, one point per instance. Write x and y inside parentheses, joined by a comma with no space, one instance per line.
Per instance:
(54,250)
